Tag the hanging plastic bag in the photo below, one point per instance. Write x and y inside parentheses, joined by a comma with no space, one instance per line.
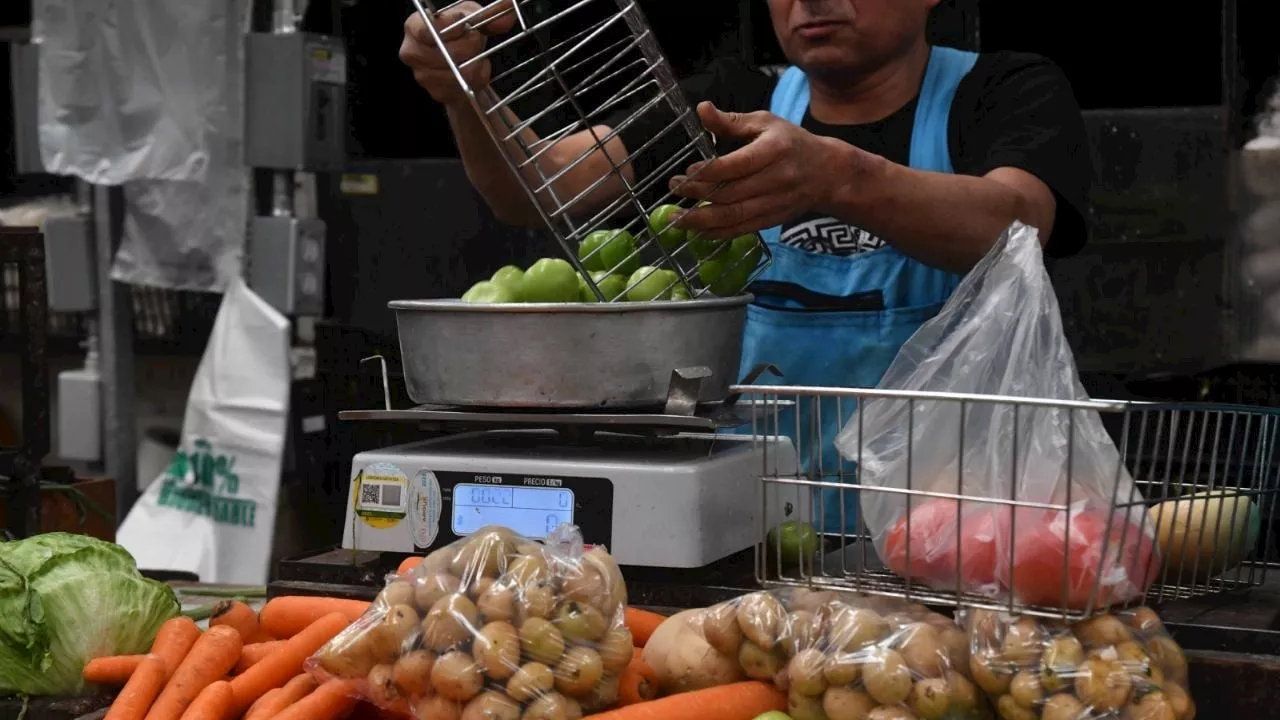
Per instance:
(491,626)
(213,510)
(999,334)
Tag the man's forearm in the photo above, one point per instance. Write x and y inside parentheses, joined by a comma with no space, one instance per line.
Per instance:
(488,170)
(946,221)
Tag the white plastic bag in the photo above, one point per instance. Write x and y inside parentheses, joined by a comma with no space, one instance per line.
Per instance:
(999,334)
(213,510)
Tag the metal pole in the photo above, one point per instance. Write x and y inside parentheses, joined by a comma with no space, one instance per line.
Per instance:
(115,334)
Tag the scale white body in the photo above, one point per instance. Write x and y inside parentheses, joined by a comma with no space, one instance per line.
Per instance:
(679,502)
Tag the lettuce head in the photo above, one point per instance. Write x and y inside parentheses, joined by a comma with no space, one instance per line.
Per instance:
(66,599)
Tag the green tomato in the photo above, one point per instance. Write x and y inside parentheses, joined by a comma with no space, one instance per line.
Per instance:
(709,271)
(488,293)
(794,540)
(651,284)
(705,248)
(550,280)
(509,277)
(732,280)
(610,285)
(613,248)
(669,236)
(746,248)
(680,292)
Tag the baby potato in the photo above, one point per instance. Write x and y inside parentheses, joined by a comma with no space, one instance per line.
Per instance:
(394,628)
(537,600)
(1023,642)
(890,712)
(887,678)
(1101,631)
(530,681)
(491,705)
(930,699)
(1063,707)
(800,630)
(760,616)
(841,669)
(579,622)
(992,674)
(382,688)
(984,627)
(616,648)
(527,569)
(604,694)
(578,671)
(497,602)
(438,707)
(399,592)
(1025,689)
(1009,709)
(955,644)
(412,673)
(721,630)
(541,641)
(427,591)
(1146,621)
(1168,656)
(804,673)
(484,554)
(805,707)
(1103,685)
(1061,657)
(450,622)
(923,651)
(497,650)
(551,706)
(1152,706)
(843,703)
(964,696)
(456,676)
(852,629)
(1180,701)
(758,663)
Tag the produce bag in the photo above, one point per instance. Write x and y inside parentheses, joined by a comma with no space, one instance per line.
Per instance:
(492,626)
(213,510)
(838,656)
(1001,334)
(1120,666)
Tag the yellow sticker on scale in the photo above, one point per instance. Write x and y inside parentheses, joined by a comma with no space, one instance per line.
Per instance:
(379,494)
(359,184)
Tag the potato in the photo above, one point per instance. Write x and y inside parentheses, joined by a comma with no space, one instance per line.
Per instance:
(552,706)
(804,673)
(1063,707)
(1061,657)
(889,712)
(456,676)
(758,663)
(1180,701)
(616,649)
(382,688)
(760,616)
(1023,642)
(497,602)
(412,673)
(991,673)
(427,591)
(887,678)
(805,707)
(1102,631)
(580,622)
(400,592)
(852,629)
(923,651)
(491,705)
(720,628)
(800,630)
(497,650)
(578,671)
(604,694)
(450,622)
(530,681)
(1103,685)
(1152,706)
(843,703)
(540,640)
(1025,689)
(683,660)
(930,699)
(1166,654)
(438,707)
(483,554)
(1009,709)
(841,669)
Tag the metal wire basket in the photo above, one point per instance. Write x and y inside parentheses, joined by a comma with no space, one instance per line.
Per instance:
(1226,456)
(580,64)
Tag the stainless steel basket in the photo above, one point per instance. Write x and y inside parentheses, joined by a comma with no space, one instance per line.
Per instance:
(1171,451)
(581,62)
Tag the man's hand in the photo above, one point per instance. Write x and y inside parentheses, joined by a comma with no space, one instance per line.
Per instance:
(783,172)
(465,31)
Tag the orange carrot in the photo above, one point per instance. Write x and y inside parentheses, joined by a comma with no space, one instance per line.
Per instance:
(734,701)
(211,658)
(140,691)
(174,640)
(238,617)
(276,700)
(254,652)
(329,701)
(642,623)
(212,703)
(112,671)
(409,563)
(279,667)
(637,683)
(286,616)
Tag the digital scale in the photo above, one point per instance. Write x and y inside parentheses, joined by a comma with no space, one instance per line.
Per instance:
(658,490)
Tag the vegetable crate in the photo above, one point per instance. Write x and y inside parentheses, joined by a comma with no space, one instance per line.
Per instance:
(1144,502)
(560,67)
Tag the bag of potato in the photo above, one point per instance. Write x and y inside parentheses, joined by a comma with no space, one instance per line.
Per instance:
(492,626)
(999,336)
(1122,666)
(838,656)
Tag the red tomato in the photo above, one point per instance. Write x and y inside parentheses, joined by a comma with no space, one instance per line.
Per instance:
(1038,559)
(934,548)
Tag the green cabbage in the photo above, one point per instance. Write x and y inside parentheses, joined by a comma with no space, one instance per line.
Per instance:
(66,599)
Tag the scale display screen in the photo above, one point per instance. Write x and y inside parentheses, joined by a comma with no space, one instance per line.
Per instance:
(530,511)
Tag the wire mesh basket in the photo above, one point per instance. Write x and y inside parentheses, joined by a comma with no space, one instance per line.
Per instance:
(1205,479)
(594,66)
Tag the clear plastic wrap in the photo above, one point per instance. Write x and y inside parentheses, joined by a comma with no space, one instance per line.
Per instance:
(999,334)
(1119,666)
(492,627)
(838,656)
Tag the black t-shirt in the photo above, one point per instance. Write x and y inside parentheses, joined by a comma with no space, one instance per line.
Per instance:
(1012,110)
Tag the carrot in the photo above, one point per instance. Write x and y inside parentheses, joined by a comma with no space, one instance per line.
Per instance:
(212,703)
(140,691)
(174,640)
(254,652)
(734,701)
(286,616)
(213,655)
(286,662)
(331,700)
(642,623)
(238,617)
(409,563)
(112,671)
(637,683)
(272,703)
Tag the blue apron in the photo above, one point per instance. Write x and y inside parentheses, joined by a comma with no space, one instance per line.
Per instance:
(848,348)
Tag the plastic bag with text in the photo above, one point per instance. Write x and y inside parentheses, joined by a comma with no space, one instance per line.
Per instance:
(493,625)
(837,656)
(999,334)
(1113,666)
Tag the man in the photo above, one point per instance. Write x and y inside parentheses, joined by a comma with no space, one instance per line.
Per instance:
(877,167)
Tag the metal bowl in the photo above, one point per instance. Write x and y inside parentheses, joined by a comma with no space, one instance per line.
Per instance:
(572,356)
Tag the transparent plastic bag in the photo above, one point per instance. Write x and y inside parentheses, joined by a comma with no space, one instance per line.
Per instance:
(492,626)
(1119,666)
(1000,333)
(838,656)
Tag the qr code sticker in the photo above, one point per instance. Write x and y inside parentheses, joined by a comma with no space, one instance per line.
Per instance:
(370,493)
